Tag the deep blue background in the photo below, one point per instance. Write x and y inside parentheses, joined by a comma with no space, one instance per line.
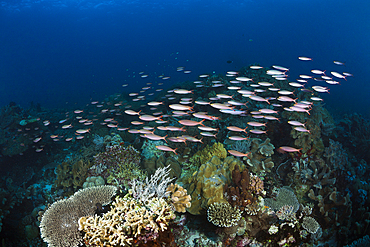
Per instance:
(66,53)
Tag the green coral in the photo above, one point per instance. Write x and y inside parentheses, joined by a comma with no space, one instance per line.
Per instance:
(204,155)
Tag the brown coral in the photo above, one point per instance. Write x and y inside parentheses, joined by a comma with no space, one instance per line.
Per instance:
(179,197)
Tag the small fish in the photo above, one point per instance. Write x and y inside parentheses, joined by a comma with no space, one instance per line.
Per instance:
(201,102)
(82,131)
(305,58)
(338,63)
(237,129)
(131,112)
(37,139)
(237,153)
(258,132)
(67,126)
(320,89)
(289,149)
(295,84)
(242,78)
(318,72)
(149,118)
(338,75)
(265,84)
(302,129)
(154,137)
(238,138)
(267,111)
(256,124)
(295,123)
(208,134)
(166,148)
(190,122)
(180,107)
(221,106)
(286,99)
(205,128)
(258,98)
(182,91)
(255,67)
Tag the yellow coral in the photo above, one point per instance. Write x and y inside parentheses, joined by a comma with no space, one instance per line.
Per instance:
(204,155)
(179,197)
(126,220)
(207,185)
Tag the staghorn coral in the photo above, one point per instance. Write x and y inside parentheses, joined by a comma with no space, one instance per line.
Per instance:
(156,186)
(179,197)
(128,219)
(59,223)
(223,214)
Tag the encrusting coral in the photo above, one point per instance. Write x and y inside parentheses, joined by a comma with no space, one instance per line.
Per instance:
(207,185)
(204,155)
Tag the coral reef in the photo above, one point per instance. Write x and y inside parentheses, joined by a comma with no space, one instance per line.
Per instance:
(207,185)
(71,176)
(152,164)
(205,154)
(259,159)
(59,223)
(93,181)
(285,196)
(223,214)
(118,165)
(179,197)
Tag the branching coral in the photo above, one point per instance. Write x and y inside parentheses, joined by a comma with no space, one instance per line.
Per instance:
(156,186)
(127,219)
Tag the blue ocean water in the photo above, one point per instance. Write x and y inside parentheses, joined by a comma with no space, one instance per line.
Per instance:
(65,53)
